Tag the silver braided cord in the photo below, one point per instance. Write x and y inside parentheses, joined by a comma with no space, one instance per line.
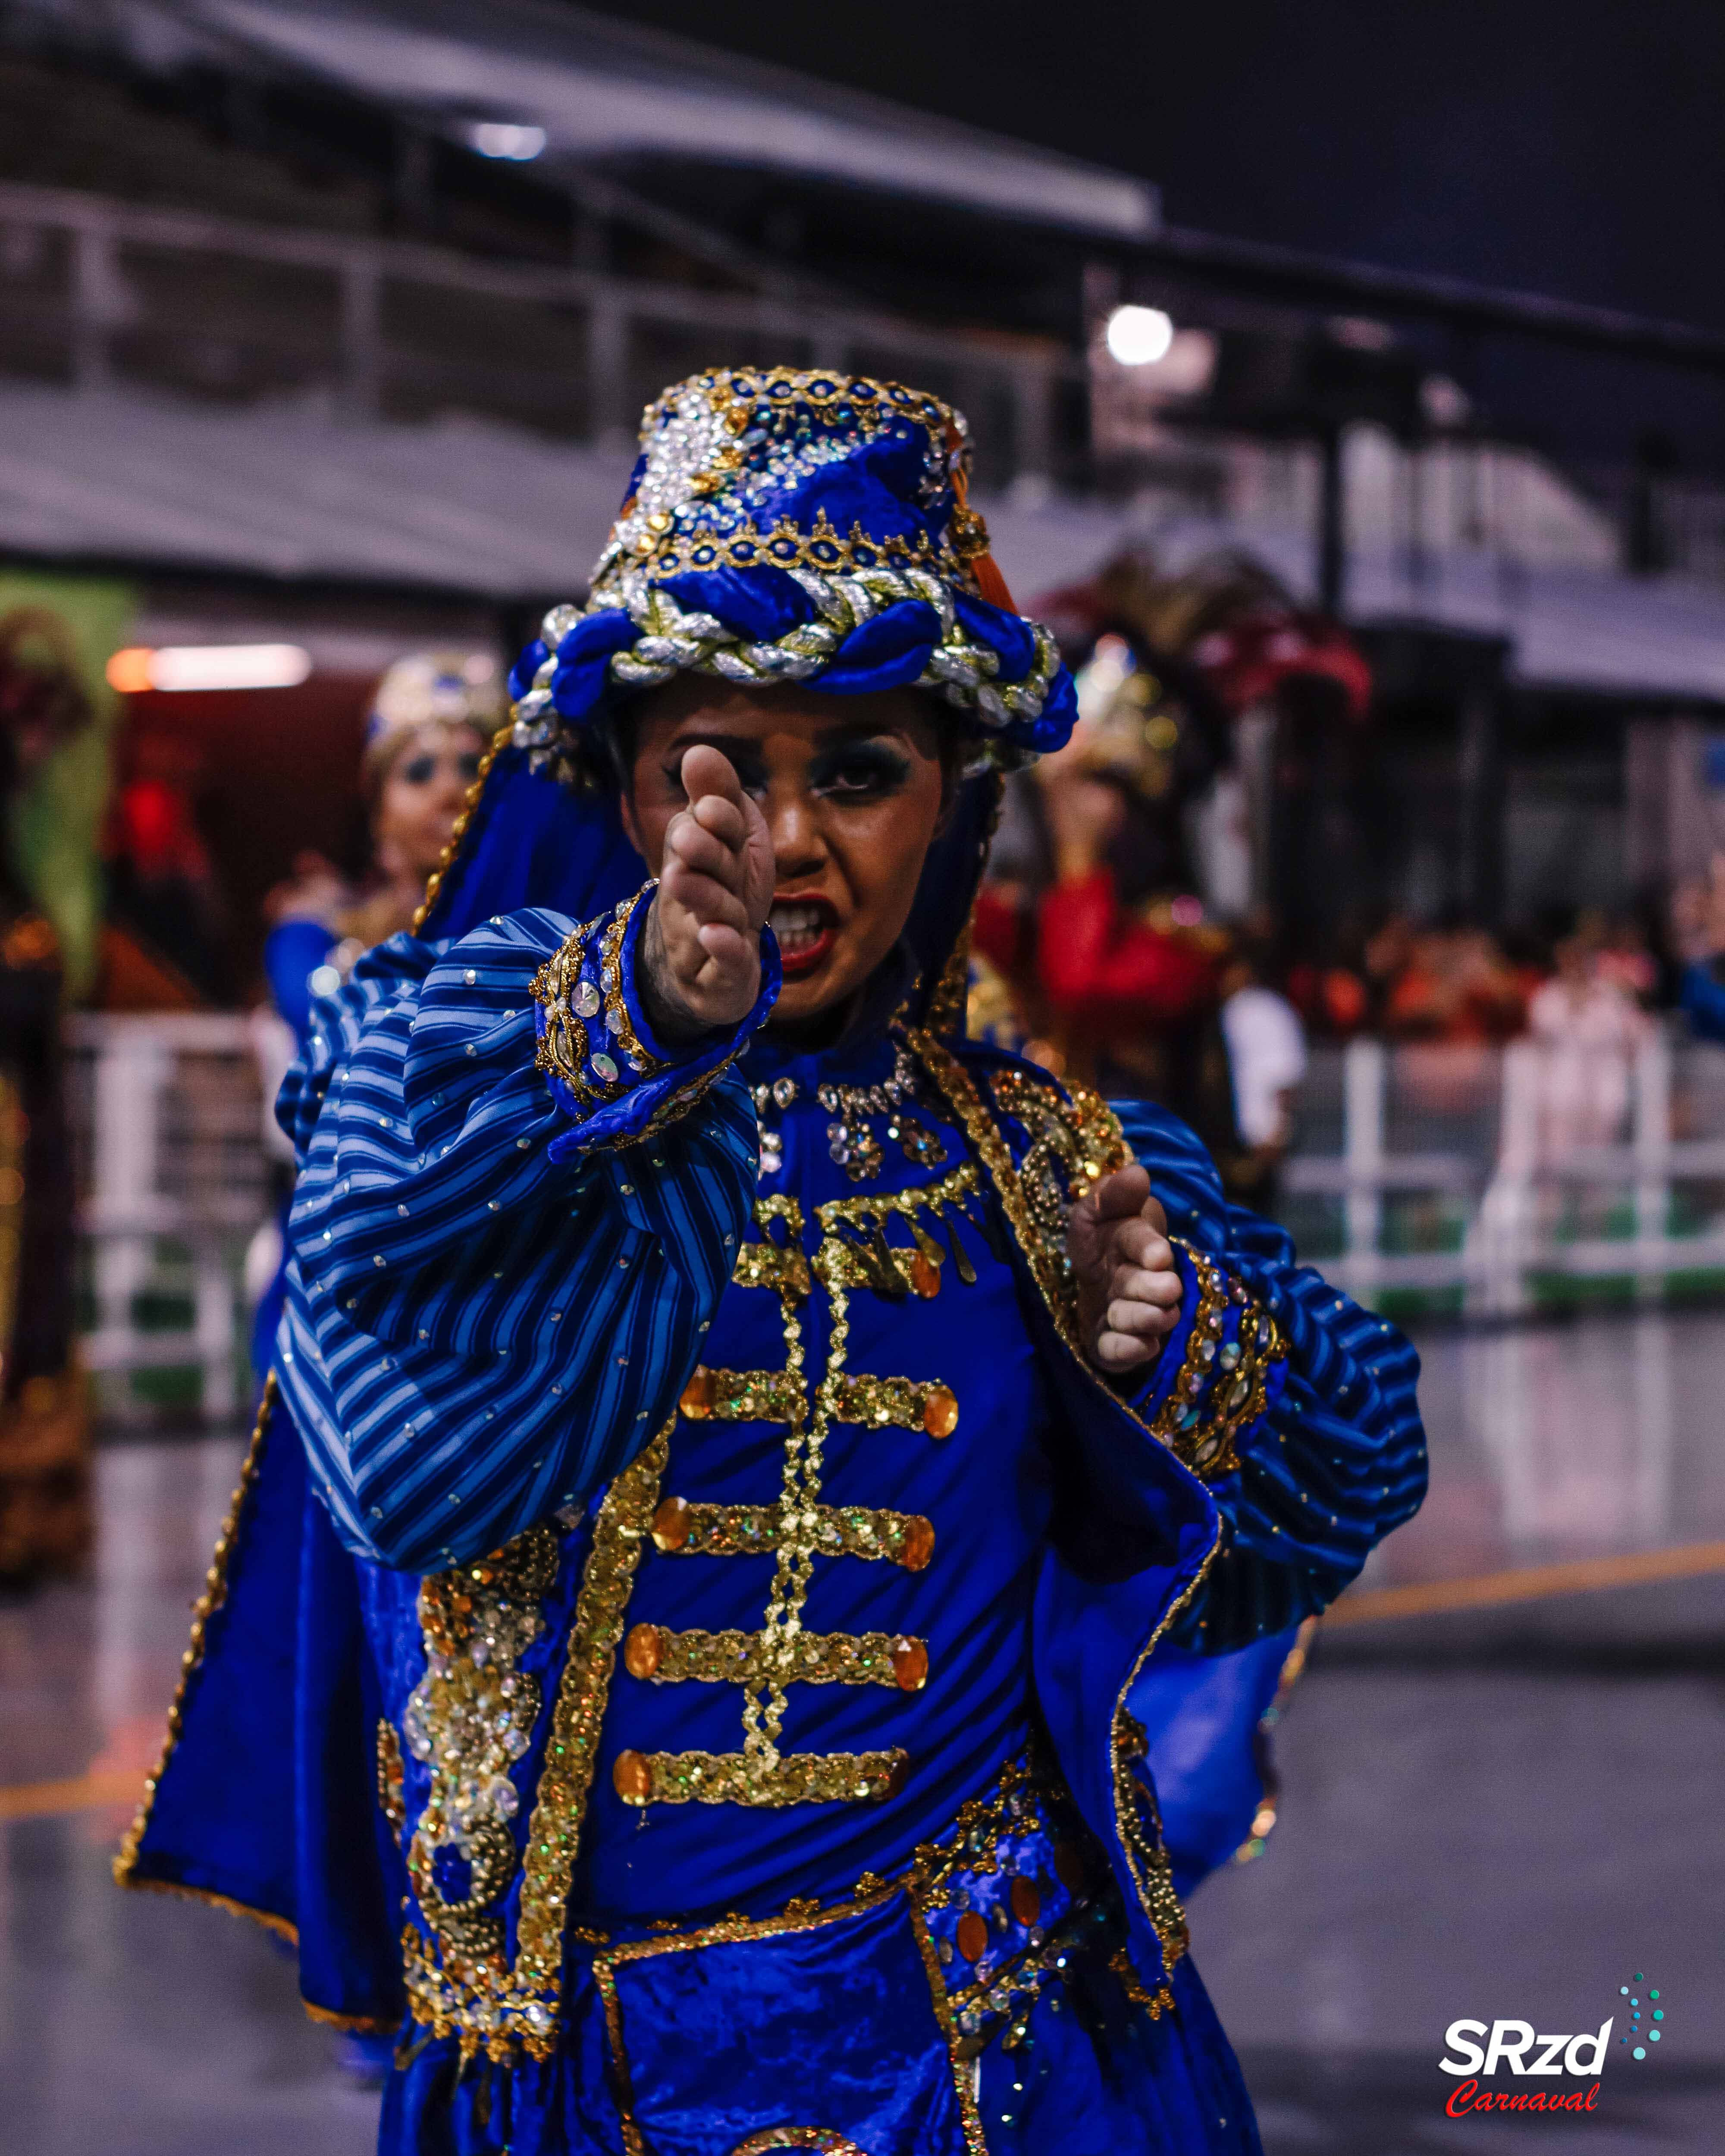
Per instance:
(672,641)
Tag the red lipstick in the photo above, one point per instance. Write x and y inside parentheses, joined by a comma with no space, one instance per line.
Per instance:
(807,927)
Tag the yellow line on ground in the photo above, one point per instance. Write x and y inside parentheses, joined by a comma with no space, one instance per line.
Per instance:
(1531,1583)
(83,1793)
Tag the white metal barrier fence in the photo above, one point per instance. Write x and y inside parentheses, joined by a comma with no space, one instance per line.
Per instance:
(1509,1175)
(1432,1171)
(167,1114)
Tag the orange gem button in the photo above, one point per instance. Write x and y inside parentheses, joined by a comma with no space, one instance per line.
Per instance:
(918,1545)
(925,1275)
(642,1651)
(697,1400)
(670,1524)
(909,1664)
(940,1412)
(632,1778)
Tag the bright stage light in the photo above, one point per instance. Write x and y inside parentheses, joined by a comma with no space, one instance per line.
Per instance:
(1138,336)
(504,138)
(176,667)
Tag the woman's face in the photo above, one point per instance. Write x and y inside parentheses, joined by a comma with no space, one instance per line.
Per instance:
(852,789)
(424,790)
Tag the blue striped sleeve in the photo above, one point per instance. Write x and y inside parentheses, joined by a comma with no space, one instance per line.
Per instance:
(496,1288)
(1337,1461)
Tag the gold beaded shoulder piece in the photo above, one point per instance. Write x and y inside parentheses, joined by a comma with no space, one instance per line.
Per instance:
(1074,1139)
(589,1040)
(1221,1389)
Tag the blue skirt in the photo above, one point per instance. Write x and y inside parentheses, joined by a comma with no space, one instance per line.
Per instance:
(1093,2075)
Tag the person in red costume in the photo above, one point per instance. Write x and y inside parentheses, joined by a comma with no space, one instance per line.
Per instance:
(1102,962)
(1091,934)
(1105,969)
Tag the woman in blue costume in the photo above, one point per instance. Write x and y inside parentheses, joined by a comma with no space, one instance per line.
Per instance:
(432,715)
(752,1439)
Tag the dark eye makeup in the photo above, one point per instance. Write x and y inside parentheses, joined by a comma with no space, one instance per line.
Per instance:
(421,770)
(855,768)
(864,767)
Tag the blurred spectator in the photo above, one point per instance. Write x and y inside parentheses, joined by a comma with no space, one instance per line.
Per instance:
(1267,1053)
(1387,953)
(1590,1026)
(44,1465)
(1332,999)
(432,716)
(1455,985)
(1089,914)
(1248,735)
(1110,983)
(165,909)
(1332,990)
(1267,1061)
(1626,957)
(1698,931)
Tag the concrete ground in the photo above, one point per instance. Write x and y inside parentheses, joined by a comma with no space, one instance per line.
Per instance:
(1483,1825)
(1496,1813)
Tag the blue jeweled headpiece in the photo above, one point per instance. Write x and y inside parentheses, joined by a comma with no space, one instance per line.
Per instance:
(785,525)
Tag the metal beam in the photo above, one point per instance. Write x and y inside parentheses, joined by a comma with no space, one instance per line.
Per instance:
(1297,277)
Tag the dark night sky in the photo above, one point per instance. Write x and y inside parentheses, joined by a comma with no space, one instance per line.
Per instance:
(1574,146)
(1568,146)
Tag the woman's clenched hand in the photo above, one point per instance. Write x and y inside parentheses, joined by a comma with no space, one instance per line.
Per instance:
(1129,1291)
(700,947)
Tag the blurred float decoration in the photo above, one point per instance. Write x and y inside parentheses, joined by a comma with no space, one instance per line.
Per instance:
(44,1453)
(1226,619)
(1116,866)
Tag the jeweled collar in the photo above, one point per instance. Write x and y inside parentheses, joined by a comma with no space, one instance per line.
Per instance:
(860,1052)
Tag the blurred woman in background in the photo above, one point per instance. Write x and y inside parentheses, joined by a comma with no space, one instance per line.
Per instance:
(431,722)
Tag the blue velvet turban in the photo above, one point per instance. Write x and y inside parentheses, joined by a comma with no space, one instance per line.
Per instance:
(787,525)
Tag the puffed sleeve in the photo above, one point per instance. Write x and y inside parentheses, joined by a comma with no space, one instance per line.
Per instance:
(1296,1406)
(510,1232)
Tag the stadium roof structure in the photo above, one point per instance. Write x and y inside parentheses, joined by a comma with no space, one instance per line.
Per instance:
(601,93)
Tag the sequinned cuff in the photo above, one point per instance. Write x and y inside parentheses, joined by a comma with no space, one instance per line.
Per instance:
(1218,1371)
(609,1073)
